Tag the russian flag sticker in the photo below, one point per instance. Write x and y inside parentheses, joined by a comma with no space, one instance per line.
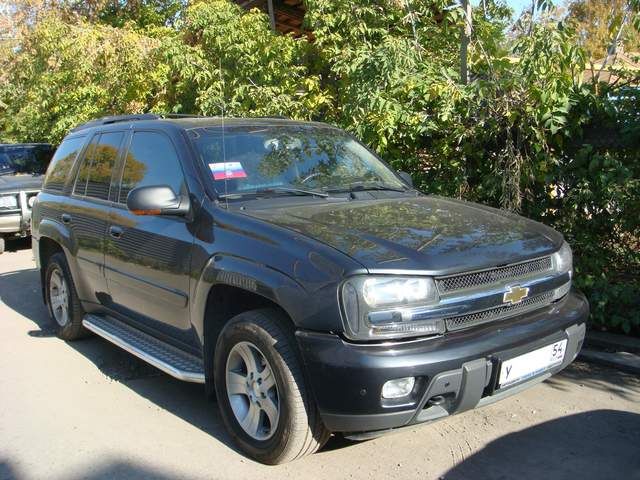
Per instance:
(222,171)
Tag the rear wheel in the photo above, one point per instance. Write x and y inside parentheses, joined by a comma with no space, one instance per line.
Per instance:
(62,300)
(261,391)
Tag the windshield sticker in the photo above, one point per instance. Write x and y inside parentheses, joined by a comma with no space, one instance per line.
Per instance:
(226,170)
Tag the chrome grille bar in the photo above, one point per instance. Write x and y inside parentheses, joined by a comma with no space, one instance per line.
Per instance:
(477,318)
(465,281)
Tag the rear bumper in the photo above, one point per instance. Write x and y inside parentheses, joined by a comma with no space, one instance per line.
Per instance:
(459,369)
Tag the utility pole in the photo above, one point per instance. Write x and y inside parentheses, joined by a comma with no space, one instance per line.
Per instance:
(464,42)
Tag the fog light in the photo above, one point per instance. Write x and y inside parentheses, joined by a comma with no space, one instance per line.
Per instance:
(400,387)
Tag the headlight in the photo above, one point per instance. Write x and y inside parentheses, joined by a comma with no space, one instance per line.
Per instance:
(9,201)
(378,291)
(563,259)
(381,307)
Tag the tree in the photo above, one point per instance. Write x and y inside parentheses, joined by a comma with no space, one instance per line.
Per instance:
(524,133)
(597,24)
(63,74)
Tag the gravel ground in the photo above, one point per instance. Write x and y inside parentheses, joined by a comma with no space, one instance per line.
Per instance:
(90,410)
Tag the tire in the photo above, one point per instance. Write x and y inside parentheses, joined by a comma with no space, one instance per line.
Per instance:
(299,430)
(59,284)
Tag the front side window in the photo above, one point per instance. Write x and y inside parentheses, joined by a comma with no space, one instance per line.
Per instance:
(303,157)
(61,163)
(151,161)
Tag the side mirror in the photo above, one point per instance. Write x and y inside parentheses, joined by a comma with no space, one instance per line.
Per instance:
(407,178)
(157,200)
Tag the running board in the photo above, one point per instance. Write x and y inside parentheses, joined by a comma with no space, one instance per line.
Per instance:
(167,358)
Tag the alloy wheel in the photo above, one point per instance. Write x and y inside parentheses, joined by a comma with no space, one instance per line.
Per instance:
(252,391)
(59,297)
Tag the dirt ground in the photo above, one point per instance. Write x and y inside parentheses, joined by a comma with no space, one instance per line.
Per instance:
(90,410)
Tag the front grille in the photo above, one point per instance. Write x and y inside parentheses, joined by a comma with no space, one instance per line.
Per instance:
(467,281)
(4,203)
(477,318)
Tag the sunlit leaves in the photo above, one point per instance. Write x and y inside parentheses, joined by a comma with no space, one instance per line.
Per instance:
(64,74)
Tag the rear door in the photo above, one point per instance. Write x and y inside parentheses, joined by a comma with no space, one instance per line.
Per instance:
(87,210)
(147,259)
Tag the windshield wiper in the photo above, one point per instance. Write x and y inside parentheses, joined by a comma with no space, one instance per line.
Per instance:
(364,186)
(276,190)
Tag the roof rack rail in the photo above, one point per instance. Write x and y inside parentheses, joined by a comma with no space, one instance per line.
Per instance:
(148,116)
(116,119)
(182,115)
(131,118)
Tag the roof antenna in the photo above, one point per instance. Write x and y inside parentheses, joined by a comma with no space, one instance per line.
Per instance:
(224,146)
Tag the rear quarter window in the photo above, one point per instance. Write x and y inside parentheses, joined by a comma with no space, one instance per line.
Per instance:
(61,164)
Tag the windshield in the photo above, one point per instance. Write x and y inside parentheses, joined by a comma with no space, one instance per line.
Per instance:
(23,159)
(259,159)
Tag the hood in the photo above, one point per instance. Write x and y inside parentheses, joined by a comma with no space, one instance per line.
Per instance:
(430,234)
(14,183)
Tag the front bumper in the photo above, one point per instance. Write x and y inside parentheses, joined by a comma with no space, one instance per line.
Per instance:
(11,223)
(18,222)
(454,373)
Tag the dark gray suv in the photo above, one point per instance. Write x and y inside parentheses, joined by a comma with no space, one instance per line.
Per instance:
(311,288)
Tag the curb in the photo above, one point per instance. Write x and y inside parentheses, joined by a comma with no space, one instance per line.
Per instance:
(623,361)
(613,341)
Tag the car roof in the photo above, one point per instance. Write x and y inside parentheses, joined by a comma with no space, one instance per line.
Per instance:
(191,123)
(187,122)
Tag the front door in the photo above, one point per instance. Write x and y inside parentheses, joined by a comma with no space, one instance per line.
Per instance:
(147,258)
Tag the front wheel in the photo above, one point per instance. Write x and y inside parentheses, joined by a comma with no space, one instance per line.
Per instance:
(261,391)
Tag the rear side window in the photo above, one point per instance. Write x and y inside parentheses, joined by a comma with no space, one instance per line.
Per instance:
(151,160)
(61,164)
(80,187)
(94,175)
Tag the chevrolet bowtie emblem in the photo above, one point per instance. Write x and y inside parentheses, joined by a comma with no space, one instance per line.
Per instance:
(515,294)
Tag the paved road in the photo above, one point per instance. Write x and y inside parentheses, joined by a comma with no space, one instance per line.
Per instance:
(89,410)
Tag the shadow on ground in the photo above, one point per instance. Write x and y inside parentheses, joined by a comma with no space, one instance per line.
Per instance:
(592,445)
(17,244)
(20,291)
(607,440)
(615,382)
(108,470)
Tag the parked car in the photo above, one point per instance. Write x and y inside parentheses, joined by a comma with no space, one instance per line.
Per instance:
(296,275)
(21,171)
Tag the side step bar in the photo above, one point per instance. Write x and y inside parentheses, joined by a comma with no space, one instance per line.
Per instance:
(167,358)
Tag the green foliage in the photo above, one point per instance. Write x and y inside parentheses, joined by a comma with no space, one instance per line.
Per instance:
(525,134)
(144,13)
(63,74)
(598,207)
(246,69)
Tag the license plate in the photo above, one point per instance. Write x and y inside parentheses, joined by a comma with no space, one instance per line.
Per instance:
(530,364)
